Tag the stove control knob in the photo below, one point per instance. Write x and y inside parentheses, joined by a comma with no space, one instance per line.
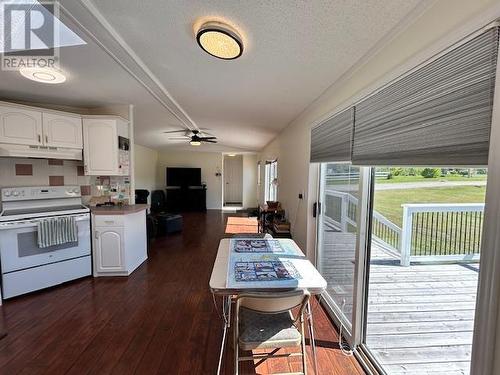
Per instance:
(7,193)
(15,193)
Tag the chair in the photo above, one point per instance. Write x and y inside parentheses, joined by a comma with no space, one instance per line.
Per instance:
(265,321)
(158,202)
(265,236)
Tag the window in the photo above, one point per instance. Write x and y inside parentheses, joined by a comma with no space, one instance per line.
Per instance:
(271,181)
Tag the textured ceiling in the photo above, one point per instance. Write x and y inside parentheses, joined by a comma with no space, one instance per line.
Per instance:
(294,50)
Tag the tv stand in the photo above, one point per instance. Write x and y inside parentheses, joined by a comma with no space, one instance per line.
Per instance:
(186,198)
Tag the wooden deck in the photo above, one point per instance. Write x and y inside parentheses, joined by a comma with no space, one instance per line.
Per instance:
(420,318)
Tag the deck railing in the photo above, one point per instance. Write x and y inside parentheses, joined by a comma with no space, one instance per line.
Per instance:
(341,211)
(441,232)
(430,232)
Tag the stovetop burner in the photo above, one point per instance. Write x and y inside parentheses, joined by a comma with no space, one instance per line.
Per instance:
(23,203)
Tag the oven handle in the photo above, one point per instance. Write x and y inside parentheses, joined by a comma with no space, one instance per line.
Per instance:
(33,222)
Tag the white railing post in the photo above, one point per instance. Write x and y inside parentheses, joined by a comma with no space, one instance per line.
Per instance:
(406,236)
(343,212)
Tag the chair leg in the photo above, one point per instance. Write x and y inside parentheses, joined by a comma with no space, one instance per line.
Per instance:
(303,346)
(236,353)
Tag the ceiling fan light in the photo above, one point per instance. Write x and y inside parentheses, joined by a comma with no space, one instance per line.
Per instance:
(195,143)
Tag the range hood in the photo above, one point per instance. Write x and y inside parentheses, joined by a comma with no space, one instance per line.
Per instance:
(40,152)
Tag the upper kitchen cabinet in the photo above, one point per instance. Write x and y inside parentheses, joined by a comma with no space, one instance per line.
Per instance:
(105,146)
(20,126)
(61,130)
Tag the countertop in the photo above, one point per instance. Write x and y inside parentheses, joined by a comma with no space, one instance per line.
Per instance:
(118,210)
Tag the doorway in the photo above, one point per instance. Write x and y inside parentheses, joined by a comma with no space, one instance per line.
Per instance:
(233,180)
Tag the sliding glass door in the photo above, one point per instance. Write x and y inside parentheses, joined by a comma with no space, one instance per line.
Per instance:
(338,236)
(408,297)
(426,228)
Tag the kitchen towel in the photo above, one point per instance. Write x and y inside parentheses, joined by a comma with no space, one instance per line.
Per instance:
(57,231)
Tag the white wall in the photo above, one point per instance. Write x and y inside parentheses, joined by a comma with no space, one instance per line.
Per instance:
(209,162)
(249,180)
(292,146)
(146,169)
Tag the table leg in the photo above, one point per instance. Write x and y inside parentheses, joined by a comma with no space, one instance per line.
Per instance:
(226,317)
(311,335)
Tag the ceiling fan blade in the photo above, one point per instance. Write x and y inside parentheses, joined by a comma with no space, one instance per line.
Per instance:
(176,131)
(207,138)
(208,141)
(184,138)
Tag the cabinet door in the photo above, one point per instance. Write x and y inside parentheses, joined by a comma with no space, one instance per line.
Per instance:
(109,249)
(100,147)
(62,131)
(20,126)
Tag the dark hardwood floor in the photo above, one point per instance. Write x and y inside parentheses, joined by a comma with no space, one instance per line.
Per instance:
(159,320)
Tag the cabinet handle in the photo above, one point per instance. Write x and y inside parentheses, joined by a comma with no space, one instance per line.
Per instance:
(96,235)
(46,139)
(39,138)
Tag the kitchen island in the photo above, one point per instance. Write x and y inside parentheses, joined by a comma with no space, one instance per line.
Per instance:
(119,239)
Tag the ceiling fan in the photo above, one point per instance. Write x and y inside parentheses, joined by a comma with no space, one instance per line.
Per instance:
(195,137)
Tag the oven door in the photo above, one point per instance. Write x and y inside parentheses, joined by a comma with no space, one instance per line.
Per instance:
(19,244)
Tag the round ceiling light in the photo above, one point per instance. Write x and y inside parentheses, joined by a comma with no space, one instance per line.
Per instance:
(219,40)
(43,75)
(195,143)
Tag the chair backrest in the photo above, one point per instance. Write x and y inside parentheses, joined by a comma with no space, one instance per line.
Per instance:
(141,196)
(265,236)
(157,200)
(273,302)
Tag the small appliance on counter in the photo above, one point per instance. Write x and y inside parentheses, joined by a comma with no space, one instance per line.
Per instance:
(29,262)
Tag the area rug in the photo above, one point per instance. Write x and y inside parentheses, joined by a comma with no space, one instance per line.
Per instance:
(241,225)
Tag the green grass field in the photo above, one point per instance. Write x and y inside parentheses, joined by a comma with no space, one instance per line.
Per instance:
(407,179)
(403,179)
(388,202)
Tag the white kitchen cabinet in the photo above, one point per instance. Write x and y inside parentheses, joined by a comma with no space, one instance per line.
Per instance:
(101,153)
(20,126)
(119,241)
(61,130)
(109,249)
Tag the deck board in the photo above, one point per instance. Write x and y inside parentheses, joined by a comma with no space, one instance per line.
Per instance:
(420,318)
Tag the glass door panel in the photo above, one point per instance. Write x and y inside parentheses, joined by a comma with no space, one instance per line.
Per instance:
(337,236)
(423,269)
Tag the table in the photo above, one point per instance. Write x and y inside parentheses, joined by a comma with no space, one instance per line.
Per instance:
(314,283)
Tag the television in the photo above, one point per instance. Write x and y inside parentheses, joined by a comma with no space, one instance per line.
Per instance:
(183,176)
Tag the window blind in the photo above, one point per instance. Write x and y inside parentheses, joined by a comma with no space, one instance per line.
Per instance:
(439,114)
(332,139)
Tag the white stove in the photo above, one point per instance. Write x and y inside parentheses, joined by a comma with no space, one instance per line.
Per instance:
(24,266)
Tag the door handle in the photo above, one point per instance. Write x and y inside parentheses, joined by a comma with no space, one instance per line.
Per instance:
(316,209)
(96,235)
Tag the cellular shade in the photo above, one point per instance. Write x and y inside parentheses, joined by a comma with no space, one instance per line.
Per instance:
(332,139)
(440,114)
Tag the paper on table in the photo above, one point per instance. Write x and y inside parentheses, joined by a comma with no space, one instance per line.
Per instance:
(263,263)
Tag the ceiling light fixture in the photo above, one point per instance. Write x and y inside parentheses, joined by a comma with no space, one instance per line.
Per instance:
(43,75)
(195,143)
(219,40)
(231,155)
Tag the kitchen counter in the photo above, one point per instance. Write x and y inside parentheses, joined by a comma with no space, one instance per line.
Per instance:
(118,210)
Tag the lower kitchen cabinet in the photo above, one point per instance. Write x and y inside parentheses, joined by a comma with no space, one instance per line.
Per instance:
(119,242)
